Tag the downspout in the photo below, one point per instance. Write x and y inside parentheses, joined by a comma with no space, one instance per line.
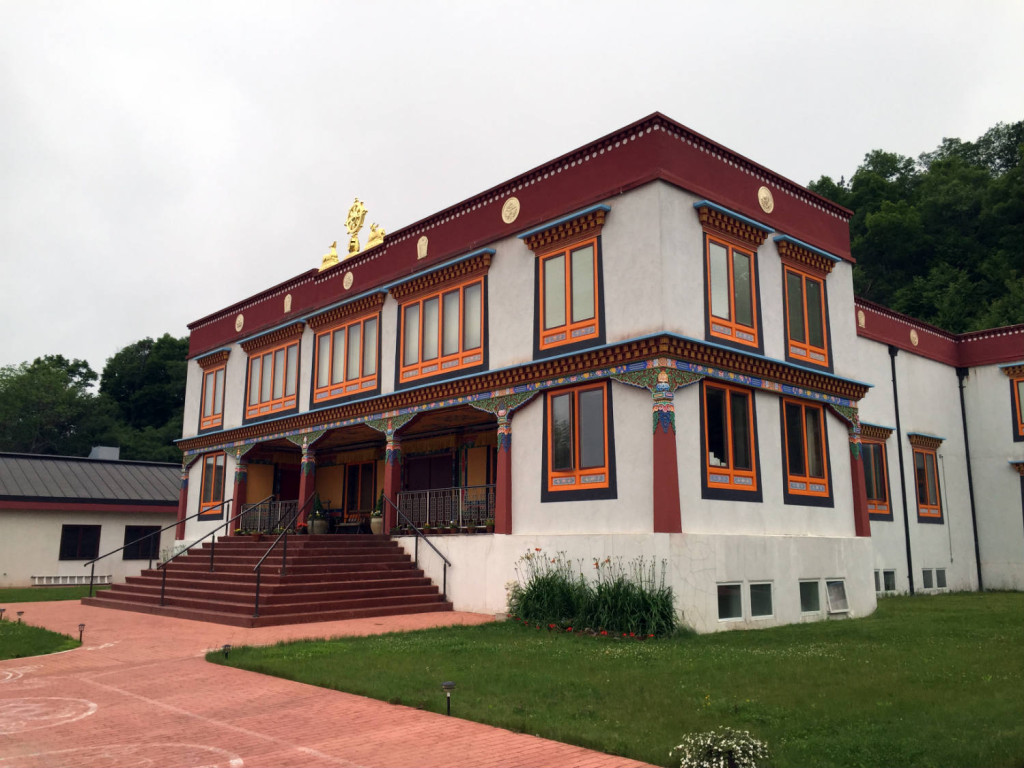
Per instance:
(961,374)
(893,351)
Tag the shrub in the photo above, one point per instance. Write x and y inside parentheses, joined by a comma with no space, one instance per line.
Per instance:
(631,600)
(721,748)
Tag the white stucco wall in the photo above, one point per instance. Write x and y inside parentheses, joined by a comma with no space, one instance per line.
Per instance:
(772,516)
(997,486)
(483,565)
(630,512)
(30,545)
(196,529)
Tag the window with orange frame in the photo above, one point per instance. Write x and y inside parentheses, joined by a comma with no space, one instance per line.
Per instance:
(346,359)
(729,438)
(211,495)
(926,481)
(442,331)
(805,452)
(1018,408)
(732,294)
(213,398)
(806,321)
(876,479)
(569,305)
(577,439)
(273,375)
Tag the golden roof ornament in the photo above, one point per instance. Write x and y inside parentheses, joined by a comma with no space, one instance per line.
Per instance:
(330,258)
(353,224)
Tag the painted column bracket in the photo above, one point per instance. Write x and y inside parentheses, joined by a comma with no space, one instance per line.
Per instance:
(662,379)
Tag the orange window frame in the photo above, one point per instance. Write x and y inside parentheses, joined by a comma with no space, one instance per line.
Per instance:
(463,358)
(289,380)
(805,350)
(209,498)
(1018,401)
(729,476)
(808,481)
(876,505)
(731,329)
(577,478)
(345,385)
(212,401)
(930,505)
(569,332)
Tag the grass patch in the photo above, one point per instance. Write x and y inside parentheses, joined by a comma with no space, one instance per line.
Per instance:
(45,594)
(20,640)
(925,681)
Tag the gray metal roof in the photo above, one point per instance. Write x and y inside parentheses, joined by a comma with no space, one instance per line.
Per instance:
(31,477)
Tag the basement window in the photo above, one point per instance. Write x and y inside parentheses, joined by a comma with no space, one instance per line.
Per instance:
(760,601)
(810,597)
(730,602)
(889,580)
(836,591)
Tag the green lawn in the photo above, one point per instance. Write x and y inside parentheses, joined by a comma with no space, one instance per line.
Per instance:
(925,681)
(20,640)
(43,594)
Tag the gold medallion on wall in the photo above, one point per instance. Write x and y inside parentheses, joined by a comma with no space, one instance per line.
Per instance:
(764,197)
(510,210)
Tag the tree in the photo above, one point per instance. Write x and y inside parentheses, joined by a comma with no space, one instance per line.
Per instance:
(46,406)
(941,239)
(147,381)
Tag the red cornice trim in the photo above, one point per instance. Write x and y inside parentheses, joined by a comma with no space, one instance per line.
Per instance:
(654,148)
(966,350)
(167,508)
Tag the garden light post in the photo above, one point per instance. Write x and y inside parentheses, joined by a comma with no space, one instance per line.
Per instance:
(227,649)
(448,686)
(2,611)
(19,616)
(81,631)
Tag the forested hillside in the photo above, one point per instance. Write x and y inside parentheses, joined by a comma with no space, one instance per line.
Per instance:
(941,238)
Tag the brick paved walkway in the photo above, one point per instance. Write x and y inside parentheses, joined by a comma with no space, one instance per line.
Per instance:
(139,693)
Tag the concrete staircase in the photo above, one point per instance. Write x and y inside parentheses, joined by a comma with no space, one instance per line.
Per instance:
(329,578)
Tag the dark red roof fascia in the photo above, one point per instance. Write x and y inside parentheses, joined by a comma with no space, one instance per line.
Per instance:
(653,148)
(989,347)
(88,506)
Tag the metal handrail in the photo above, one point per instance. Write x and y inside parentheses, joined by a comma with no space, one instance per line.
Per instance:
(416,546)
(258,568)
(175,524)
(213,545)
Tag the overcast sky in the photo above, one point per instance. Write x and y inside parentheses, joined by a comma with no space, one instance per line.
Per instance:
(162,160)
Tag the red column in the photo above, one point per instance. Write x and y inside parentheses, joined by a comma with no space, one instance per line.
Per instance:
(239,493)
(503,480)
(307,480)
(861,521)
(392,479)
(179,532)
(667,513)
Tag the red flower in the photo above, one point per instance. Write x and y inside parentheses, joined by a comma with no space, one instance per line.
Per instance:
(651,635)
(569,629)
(536,549)
(604,631)
(551,626)
(623,634)
(632,634)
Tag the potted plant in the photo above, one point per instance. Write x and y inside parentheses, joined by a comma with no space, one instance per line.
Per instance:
(302,529)
(489,524)
(453,527)
(318,523)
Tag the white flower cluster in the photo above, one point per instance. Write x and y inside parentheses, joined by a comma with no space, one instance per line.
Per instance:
(721,748)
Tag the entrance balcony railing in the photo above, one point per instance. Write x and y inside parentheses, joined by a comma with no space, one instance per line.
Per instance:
(471,505)
(266,516)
